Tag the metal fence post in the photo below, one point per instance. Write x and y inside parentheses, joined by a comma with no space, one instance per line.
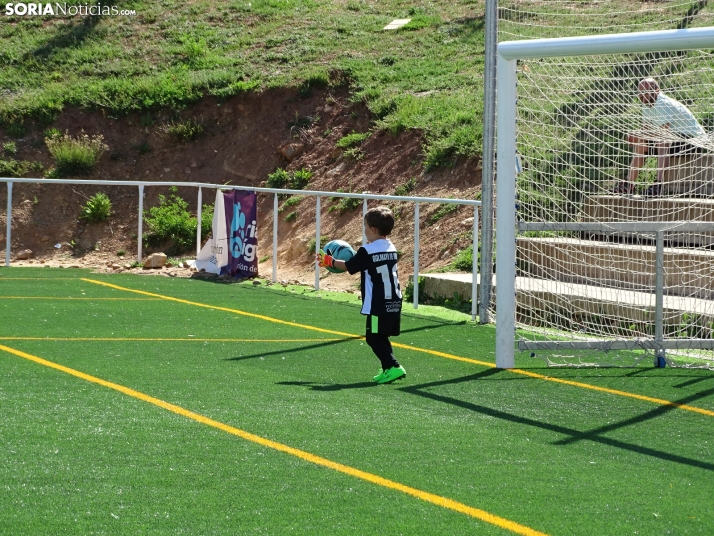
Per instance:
(659,360)
(8,222)
(275,238)
(474,268)
(317,243)
(415,277)
(364,213)
(140,234)
(489,138)
(198,217)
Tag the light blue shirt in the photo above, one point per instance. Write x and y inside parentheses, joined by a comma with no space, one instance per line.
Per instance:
(667,110)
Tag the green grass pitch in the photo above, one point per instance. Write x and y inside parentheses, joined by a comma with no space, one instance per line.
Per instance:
(78,457)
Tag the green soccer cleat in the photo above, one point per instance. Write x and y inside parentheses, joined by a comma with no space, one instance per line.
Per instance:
(389,375)
(379,375)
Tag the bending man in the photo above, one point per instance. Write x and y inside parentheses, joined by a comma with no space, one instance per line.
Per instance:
(663,118)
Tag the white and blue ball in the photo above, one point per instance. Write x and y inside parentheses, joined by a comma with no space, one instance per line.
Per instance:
(338,249)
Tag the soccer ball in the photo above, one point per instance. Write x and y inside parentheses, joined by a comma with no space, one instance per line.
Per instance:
(338,249)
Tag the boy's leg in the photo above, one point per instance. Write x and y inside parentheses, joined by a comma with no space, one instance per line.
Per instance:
(380,344)
(378,332)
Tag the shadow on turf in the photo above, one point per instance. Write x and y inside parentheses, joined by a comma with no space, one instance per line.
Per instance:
(573,435)
(692,382)
(318,345)
(294,349)
(331,386)
(340,386)
(648,415)
(668,374)
(622,372)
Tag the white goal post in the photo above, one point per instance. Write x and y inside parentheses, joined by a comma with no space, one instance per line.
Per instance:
(508,221)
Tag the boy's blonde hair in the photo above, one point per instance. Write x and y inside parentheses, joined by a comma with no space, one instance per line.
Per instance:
(381,218)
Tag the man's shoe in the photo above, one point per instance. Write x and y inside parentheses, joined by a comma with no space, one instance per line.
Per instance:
(379,375)
(391,374)
(653,190)
(624,187)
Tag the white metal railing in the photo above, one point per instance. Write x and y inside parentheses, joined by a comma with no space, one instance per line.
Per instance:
(275,191)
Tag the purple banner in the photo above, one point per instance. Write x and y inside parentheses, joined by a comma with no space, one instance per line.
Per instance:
(241,221)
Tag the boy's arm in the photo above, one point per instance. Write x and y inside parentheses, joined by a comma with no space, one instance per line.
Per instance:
(356,264)
(327,261)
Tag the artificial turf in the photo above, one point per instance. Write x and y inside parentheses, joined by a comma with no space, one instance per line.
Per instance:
(80,458)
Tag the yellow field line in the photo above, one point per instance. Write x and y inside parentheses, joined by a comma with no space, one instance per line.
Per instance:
(165,339)
(443,354)
(312,458)
(660,401)
(217,308)
(69,298)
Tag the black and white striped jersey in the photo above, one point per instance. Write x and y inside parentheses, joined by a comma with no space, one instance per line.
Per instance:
(381,293)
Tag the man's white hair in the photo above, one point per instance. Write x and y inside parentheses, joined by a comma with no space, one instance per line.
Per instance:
(648,84)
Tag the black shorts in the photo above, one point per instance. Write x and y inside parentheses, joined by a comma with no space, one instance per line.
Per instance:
(680,147)
(388,324)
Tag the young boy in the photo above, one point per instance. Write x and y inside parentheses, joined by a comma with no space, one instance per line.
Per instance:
(381,294)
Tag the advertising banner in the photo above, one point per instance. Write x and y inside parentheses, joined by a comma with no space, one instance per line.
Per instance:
(233,248)
(242,221)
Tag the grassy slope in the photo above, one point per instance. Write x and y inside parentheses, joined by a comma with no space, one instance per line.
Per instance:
(427,75)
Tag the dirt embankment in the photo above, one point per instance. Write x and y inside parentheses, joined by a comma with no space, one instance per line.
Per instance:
(245,139)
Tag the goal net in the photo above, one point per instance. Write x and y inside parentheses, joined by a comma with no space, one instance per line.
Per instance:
(614,234)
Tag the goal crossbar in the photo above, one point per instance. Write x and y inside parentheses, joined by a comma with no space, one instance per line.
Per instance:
(595,45)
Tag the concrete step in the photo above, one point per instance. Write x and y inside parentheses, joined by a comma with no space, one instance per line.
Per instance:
(687,272)
(635,208)
(590,306)
(690,175)
(446,285)
(540,298)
